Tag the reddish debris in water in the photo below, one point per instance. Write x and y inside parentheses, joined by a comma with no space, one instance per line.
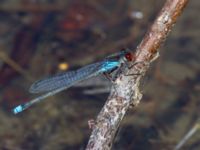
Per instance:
(76,22)
(24,45)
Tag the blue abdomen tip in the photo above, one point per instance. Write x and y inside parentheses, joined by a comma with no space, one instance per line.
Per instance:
(17,109)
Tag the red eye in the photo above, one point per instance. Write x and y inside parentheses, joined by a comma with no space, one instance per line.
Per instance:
(129,56)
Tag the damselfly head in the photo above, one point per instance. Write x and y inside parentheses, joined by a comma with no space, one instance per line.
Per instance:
(124,55)
(127,55)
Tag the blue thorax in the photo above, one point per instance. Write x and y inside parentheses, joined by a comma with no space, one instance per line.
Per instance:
(109,65)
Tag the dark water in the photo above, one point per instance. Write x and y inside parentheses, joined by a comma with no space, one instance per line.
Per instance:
(40,38)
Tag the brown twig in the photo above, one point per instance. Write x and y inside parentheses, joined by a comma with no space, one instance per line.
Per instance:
(4,57)
(126,90)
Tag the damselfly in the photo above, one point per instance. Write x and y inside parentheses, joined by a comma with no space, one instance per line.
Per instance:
(60,82)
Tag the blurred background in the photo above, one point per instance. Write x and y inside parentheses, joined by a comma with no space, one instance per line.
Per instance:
(39,38)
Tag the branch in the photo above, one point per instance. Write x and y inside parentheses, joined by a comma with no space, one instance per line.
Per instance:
(126,89)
